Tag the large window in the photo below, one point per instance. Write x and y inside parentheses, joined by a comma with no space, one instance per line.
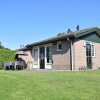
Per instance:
(49,54)
(90,49)
(89,53)
(36,56)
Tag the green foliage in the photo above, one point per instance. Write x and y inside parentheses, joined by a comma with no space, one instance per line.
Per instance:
(6,55)
(1,65)
(60,34)
(2,47)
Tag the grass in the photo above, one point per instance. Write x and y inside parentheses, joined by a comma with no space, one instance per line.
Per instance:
(52,85)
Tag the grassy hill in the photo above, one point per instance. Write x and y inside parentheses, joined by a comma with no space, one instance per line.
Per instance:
(6,55)
(52,85)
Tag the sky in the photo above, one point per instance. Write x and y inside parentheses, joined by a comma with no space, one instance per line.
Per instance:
(24,22)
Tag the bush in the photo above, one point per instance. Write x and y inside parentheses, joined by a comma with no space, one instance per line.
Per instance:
(1,65)
(6,56)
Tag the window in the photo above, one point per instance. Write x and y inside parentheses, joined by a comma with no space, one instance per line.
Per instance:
(35,56)
(59,46)
(49,54)
(42,52)
(90,49)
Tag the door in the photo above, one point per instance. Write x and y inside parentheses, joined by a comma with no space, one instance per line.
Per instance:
(89,55)
(42,57)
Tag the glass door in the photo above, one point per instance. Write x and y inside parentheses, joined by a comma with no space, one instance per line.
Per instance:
(42,57)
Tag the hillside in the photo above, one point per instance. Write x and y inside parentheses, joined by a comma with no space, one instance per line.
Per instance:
(6,55)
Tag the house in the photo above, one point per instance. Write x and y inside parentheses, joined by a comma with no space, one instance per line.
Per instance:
(70,51)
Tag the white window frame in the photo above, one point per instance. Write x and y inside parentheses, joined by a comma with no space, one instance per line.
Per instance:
(34,55)
(94,49)
(46,55)
(59,43)
(92,44)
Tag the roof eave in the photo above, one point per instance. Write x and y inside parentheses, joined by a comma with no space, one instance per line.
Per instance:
(48,41)
(97,30)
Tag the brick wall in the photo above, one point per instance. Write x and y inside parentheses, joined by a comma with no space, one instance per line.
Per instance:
(61,59)
(79,54)
(96,58)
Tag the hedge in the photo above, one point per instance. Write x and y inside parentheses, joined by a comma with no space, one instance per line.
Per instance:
(6,56)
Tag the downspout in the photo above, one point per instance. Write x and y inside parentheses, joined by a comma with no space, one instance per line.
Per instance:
(71,54)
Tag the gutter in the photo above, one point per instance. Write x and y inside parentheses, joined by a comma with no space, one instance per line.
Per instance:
(71,54)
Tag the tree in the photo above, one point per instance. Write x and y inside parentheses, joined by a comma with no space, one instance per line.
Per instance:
(60,34)
(2,47)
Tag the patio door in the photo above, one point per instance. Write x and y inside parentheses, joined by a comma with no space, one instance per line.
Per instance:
(42,57)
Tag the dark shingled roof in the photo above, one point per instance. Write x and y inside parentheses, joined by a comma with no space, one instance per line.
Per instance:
(71,34)
(85,30)
(23,49)
(68,35)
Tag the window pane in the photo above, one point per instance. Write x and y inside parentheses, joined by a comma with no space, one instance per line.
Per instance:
(47,60)
(49,54)
(42,52)
(92,50)
(89,49)
(47,49)
(59,46)
(87,53)
(88,46)
(35,55)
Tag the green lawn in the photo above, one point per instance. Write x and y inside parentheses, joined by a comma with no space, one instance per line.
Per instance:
(52,85)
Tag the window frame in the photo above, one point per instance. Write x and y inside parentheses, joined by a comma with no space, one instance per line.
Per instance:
(92,49)
(35,62)
(50,57)
(57,48)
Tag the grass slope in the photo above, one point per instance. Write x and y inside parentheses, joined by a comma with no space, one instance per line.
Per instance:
(83,85)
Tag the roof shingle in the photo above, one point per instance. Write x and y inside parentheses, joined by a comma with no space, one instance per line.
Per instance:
(71,34)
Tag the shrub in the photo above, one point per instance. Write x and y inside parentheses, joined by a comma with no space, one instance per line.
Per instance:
(1,65)
(6,56)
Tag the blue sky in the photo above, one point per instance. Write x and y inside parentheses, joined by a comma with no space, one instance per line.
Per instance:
(27,21)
